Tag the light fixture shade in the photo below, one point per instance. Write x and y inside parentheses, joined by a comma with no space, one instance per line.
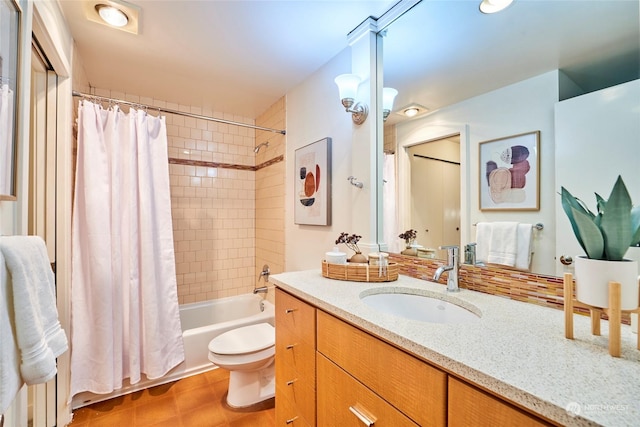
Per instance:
(112,15)
(388,96)
(348,85)
(493,6)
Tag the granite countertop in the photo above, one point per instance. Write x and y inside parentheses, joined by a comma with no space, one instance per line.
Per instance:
(516,350)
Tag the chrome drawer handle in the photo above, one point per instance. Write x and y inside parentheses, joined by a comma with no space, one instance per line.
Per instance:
(290,310)
(291,420)
(290,346)
(366,421)
(292,381)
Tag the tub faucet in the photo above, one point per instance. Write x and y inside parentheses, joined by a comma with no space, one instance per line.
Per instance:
(261,290)
(470,253)
(452,268)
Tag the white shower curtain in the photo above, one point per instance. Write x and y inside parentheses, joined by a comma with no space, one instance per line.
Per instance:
(389,210)
(125,318)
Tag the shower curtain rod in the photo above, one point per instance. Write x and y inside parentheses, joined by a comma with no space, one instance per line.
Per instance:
(180,113)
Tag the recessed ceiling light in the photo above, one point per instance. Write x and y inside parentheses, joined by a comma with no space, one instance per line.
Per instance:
(493,6)
(410,112)
(112,15)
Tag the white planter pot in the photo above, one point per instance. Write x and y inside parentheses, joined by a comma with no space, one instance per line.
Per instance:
(593,277)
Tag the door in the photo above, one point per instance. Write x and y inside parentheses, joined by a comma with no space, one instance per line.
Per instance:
(41,215)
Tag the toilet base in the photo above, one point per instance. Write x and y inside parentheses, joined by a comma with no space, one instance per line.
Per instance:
(247,388)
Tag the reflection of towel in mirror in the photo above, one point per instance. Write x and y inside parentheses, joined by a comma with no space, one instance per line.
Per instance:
(6,139)
(483,241)
(523,251)
(503,244)
(38,333)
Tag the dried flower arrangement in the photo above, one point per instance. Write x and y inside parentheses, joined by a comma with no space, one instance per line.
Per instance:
(409,236)
(351,241)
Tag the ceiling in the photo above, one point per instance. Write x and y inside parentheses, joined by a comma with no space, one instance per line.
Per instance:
(240,56)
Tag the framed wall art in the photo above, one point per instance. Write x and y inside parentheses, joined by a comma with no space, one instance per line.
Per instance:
(510,173)
(312,184)
(9,72)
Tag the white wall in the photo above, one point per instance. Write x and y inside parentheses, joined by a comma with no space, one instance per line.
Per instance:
(314,112)
(519,108)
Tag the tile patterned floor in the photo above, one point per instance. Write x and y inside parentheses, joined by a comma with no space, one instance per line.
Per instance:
(197,401)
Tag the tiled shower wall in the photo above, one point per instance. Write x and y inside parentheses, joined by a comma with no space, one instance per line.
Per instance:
(270,178)
(214,202)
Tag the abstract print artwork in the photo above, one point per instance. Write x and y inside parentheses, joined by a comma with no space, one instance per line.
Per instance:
(312,184)
(509,173)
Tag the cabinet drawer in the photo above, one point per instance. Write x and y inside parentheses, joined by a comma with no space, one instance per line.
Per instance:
(301,395)
(295,315)
(401,379)
(471,406)
(295,358)
(341,398)
(288,415)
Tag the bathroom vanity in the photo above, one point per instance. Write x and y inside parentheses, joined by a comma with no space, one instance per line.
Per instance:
(340,361)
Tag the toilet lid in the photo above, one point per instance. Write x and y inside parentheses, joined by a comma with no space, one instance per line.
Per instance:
(246,339)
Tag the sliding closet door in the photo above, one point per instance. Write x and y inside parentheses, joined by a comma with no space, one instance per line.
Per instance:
(42,191)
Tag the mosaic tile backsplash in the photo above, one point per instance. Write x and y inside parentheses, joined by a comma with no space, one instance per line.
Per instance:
(531,288)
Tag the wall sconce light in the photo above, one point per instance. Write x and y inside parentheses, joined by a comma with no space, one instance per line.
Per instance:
(388,96)
(348,89)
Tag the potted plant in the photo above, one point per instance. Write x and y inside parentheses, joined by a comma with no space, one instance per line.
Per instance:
(605,238)
(409,238)
(351,241)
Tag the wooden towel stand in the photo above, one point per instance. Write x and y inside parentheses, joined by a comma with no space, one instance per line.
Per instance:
(613,312)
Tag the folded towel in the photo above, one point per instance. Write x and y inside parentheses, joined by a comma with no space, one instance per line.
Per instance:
(483,241)
(503,246)
(10,379)
(523,254)
(38,332)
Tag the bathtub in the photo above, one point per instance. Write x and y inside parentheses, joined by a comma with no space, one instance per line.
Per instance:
(201,322)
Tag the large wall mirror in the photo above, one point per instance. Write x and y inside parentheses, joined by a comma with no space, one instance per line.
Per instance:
(472,77)
(9,46)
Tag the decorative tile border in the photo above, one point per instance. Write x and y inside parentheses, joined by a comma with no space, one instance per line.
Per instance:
(174,161)
(547,291)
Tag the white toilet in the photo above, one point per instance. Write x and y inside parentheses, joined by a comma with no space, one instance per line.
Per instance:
(248,353)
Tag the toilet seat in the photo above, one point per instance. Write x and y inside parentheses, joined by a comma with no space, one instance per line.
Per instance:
(247,339)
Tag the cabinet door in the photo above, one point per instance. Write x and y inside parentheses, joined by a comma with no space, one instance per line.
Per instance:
(411,385)
(345,402)
(469,406)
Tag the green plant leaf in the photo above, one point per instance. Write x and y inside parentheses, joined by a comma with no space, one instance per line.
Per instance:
(616,222)
(635,225)
(569,202)
(591,238)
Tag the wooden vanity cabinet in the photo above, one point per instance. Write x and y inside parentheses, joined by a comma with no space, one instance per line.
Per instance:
(295,361)
(471,406)
(415,389)
(330,373)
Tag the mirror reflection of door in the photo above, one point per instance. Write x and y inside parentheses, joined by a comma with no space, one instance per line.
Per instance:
(435,192)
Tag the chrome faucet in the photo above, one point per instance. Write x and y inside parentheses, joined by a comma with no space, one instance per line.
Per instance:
(261,290)
(452,267)
(470,253)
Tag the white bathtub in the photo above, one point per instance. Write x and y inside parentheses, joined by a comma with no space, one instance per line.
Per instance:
(201,322)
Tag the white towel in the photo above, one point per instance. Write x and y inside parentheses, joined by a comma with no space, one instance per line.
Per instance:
(39,335)
(523,254)
(504,243)
(483,241)
(10,379)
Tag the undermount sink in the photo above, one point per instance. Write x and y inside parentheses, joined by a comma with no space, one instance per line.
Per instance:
(414,306)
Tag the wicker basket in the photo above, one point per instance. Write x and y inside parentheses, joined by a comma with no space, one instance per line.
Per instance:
(356,272)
